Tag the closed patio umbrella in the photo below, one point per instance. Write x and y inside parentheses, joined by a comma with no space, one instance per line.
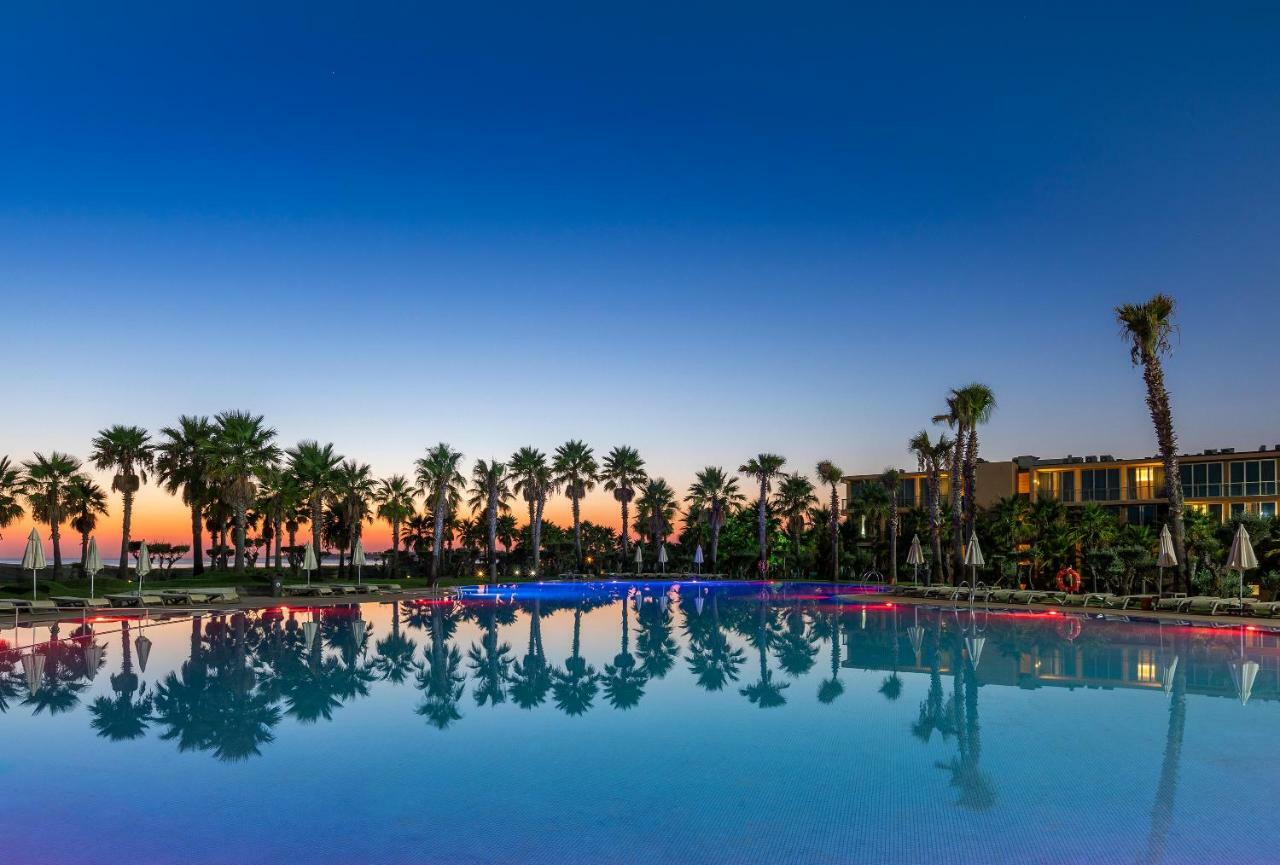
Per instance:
(1242,557)
(309,630)
(1243,674)
(357,558)
(309,560)
(639,559)
(92,563)
(143,647)
(33,668)
(358,628)
(915,634)
(1167,558)
(697,558)
(973,559)
(662,557)
(144,565)
(915,556)
(33,559)
(92,657)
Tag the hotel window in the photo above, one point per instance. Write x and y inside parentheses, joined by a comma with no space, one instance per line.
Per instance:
(907,493)
(1201,480)
(1215,512)
(1253,478)
(1267,509)
(1099,485)
(1237,508)
(1146,482)
(1140,515)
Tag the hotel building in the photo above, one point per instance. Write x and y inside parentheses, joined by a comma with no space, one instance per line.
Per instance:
(1220,482)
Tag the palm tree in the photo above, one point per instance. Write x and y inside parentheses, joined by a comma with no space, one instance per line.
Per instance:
(977,402)
(712,494)
(47,481)
(11,487)
(891,479)
(441,482)
(534,481)
(242,449)
(314,467)
(85,502)
(490,492)
(1146,327)
(353,487)
(763,468)
(792,503)
(933,456)
(623,471)
(394,498)
(656,510)
(278,500)
(127,450)
(830,474)
(955,419)
(575,470)
(182,464)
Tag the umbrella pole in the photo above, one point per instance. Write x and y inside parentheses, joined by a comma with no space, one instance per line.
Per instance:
(33,584)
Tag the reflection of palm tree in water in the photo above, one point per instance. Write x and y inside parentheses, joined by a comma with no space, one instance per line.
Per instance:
(833,687)
(932,715)
(531,678)
(891,687)
(489,662)
(976,792)
(575,686)
(796,648)
(654,644)
(711,659)
(123,717)
(395,653)
(765,692)
(1162,810)
(63,670)
(438,678)
(623,682)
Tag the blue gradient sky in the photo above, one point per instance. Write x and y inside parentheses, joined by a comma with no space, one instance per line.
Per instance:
(704,232)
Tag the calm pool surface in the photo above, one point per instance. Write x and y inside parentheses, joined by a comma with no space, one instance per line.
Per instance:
(627,722)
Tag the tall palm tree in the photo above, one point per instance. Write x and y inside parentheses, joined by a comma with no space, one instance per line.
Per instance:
(712,493)
(314,467)
(85,501)
(830,474)
(534,481)
(353,488)
(128,451)
(1146,327)
(491,493)
(623,471)
(278,501)
(977,402)
(242,449)
(891,479)
(933,455)
(763,468)
(182,464)
(575,470)
(394,498)
(656,510)
(954,418)
(441,481)
(47,480)
(792,502)
(11,488)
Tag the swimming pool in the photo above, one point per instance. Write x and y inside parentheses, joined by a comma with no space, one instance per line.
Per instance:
(624,722)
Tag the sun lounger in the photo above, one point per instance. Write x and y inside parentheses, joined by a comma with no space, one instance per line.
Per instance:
(1130,602)
(30,606)
(221,595)
(1172,603)
(344,588)
(133,599)
(303,589)
(74,601)
(1205,604)
(1264,609)
(1099,598)
(1003,596)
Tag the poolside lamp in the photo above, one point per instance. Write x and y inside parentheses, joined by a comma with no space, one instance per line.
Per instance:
(1167,558)
(639,559)
(33,560)
(1242,557)
(915,556)
(697,558)
(92,562)
(357,558)
(309,560)
(143,567)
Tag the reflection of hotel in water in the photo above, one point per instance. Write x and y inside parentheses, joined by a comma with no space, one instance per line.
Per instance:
(1136,657)
(1220,482)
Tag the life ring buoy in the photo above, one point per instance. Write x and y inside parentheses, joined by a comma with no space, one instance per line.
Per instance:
(1068,580)
(1070,628)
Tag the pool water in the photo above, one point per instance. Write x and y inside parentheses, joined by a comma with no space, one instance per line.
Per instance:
(629,722)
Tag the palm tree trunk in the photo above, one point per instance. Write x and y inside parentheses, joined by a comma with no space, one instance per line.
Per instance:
(84,551)
(625,532)
(55,519)
(197,541)
(715,540)
(279,551)
(835,534)
(395,545)
(761,518)
(239,536)
(128,522)
(956,476)
(437,537)
(492,540)
(317,515)
(970,481)
(893,542)
(1162,418)
(537,535)
(935,516)
(577,533)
